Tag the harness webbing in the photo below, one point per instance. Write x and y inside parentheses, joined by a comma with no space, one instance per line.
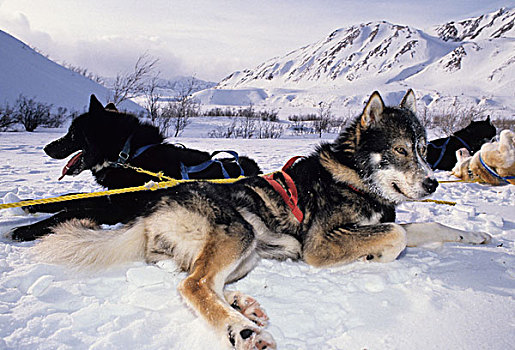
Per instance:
(493,173)
(443,148)
(288,194)
(125,155)
(187,170)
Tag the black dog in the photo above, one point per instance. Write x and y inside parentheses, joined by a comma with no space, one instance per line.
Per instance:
(441,153)
(106,139)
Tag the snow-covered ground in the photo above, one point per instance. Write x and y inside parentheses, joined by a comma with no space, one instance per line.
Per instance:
(443,297)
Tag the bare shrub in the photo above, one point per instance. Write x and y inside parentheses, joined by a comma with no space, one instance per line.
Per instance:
(57,119)
(6,117)
(225,132)
(220,112)
(301,123)
(504,123)
(152,98)
(453,117)
(321,123)
(269,130)
(175,116)
(132,84)
(250,112)
(31,113)
(247,128)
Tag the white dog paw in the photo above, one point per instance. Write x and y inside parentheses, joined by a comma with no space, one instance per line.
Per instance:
(248,306)
(250,338)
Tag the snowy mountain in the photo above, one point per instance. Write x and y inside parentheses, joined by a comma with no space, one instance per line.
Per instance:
(377,51)
(490,26)
(471,59)
(24,71)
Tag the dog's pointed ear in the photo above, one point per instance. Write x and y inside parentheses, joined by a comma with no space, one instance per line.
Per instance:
(409,102)
(488,119)
(373,110)
(95,105)
(111,107)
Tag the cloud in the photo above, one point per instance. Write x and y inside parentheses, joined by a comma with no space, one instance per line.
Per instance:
(206,38)
(19,26)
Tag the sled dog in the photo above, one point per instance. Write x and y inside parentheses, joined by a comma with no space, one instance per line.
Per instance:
(103,140)
(493,164)
(441,152)
(345,211)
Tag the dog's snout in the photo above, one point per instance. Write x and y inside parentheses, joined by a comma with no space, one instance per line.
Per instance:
(430,184)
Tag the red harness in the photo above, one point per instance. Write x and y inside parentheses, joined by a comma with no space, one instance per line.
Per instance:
(288,194)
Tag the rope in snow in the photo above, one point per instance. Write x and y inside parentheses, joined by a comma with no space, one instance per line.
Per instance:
(155,186)
(148,186)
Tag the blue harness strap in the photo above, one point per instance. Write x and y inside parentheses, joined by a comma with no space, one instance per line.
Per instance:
(464,143)
(442,152)
(443,147)
(186,170)
(493,173)
(142,149)
(125,153)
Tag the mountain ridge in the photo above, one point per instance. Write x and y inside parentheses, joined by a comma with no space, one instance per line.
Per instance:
(473,58)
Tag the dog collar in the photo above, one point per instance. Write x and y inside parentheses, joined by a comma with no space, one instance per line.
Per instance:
(288,194)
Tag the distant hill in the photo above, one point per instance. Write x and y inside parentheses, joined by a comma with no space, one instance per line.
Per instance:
(24,71)
(472,60)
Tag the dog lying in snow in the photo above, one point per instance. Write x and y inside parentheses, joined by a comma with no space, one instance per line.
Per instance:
(345,211)
(493,164)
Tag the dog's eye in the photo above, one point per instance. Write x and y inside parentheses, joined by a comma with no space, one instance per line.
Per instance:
(401,151)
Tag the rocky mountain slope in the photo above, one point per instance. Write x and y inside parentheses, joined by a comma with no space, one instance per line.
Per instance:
(473,59)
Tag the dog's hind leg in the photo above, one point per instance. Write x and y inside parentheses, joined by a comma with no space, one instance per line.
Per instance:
(220,257)
(381,243)
(419,234)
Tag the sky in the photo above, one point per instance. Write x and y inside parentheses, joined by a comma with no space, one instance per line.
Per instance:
(203,38)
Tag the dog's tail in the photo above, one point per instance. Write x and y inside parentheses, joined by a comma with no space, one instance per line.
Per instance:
(81,244)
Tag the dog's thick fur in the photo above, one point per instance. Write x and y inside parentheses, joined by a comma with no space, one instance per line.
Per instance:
(499,156)
(100,134)
(348,191)
(475,134)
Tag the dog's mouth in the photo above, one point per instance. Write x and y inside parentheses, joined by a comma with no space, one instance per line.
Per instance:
(73,167)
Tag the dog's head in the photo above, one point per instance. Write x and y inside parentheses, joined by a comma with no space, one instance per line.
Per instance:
(388,148)
(82,137)
(479,132)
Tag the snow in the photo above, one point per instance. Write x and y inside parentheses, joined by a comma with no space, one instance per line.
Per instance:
(24,71)
(475,67)
(439,297)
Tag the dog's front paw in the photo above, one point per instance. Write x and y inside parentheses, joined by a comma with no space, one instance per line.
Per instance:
(475,238)
(250,338)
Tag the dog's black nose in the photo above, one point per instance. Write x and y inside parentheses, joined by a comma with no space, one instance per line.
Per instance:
(430,184)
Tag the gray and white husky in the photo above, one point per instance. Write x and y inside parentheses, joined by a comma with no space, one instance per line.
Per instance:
(347,193)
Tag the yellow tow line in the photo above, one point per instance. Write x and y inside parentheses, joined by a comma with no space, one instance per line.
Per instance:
(171,182)
(149,186)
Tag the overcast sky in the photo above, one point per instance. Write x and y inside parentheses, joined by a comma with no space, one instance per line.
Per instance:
(208,39)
